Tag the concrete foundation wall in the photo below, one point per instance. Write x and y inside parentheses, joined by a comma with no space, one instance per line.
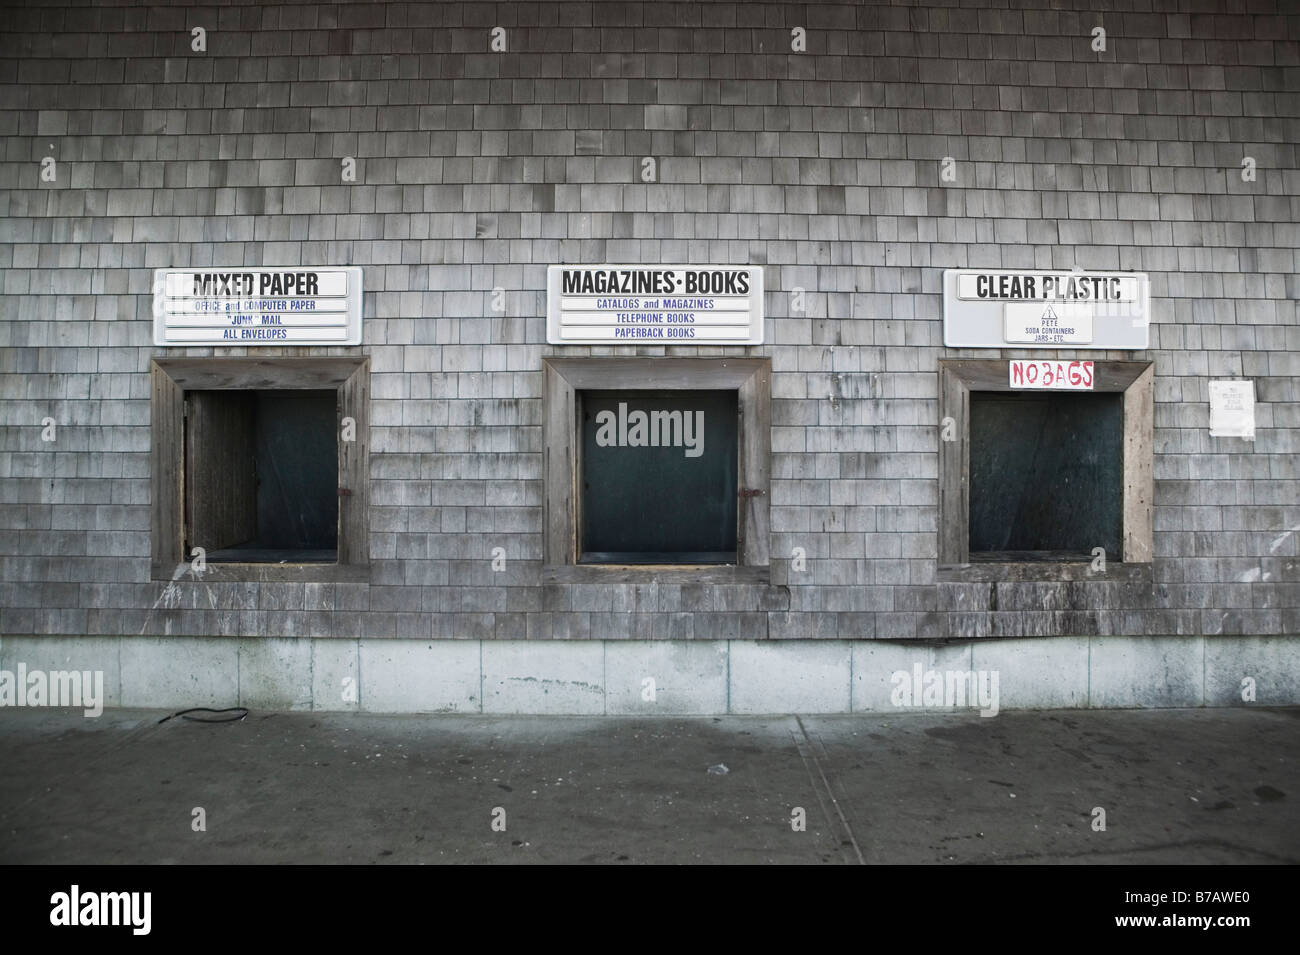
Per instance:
(700,677)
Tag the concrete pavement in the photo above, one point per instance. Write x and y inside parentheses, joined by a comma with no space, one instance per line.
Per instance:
(1176,786)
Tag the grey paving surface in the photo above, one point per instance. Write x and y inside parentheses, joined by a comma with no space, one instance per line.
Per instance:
(1177,786)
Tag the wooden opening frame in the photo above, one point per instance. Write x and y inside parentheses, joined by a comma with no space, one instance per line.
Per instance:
(959,377)
(563,377)
(170,378)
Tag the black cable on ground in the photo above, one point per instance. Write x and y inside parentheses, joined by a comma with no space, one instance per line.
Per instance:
(184,714)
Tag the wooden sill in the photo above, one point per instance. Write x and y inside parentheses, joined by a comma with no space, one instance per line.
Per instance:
(1000,572)
(309,573)
(713,574)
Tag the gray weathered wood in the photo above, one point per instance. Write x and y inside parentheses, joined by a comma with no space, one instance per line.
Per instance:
(563,378)
(561,423)
(1006,572)
(666,373)
(307,572)
(171,378)
(167,407)
(253,374)
(354,469)
(666,574)
(959,377)
(755,468)
(954,459)
(979,374)
(220,470)
(1139,474)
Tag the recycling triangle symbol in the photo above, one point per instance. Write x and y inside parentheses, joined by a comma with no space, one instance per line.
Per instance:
(1049,314)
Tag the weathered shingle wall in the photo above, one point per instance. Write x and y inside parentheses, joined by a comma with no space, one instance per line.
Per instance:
(478,169)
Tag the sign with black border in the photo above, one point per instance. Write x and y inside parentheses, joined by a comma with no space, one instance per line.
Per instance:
(654,305)
(294,305)
(1035,308)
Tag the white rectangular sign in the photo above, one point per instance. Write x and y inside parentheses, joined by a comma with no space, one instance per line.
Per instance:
(1051,324)
(299,305)
(654,304)
(1042,374)
(1232,409)
(999,308)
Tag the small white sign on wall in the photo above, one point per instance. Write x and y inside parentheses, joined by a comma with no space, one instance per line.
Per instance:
(1055,323)
(1232,409)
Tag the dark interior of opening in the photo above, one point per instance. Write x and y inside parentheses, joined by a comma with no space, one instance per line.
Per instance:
(1046,475)
(262,475)
(653,502)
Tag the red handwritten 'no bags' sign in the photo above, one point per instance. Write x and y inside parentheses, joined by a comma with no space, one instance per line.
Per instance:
(1051,375)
